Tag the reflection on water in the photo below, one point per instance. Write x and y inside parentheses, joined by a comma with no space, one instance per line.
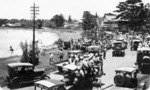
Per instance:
(14,37)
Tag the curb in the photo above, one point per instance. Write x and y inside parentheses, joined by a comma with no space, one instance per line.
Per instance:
(107,86)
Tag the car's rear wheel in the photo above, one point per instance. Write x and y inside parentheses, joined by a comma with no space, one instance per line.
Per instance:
(16,83)
(119,80)
(61,88)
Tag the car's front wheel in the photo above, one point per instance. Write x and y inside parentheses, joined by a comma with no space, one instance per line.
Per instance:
(16,83)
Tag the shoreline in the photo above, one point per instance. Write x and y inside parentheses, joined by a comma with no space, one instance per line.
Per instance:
(61,33)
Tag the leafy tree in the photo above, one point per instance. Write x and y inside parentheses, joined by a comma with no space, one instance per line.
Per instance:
(133,11)
(69,19)
(39,24)
(2,21)
(88,21)
(58,20)
(24,47)
(59,42)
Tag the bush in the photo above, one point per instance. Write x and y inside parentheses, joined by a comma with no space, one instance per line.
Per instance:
(59,42)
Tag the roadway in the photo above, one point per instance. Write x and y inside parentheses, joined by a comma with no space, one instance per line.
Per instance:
(110,64)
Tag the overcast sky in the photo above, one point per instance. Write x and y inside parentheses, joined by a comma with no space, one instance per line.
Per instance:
(48,8)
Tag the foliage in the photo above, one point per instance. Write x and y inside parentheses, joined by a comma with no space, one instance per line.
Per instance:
(69,19)
(39,23)
(59,42)
(2,21)
(58,20)
(132,10)
(88,21)
(24,47)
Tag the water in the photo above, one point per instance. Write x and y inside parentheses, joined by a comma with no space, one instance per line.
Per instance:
(9,37)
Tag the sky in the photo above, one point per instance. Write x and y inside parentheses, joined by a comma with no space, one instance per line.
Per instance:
(20,9)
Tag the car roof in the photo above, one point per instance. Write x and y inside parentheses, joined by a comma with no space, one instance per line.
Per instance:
(144,49)
(49,83)
(75,51)
(18,64)
(126,69)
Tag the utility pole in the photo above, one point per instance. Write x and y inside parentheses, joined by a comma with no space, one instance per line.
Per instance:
(34,10)
(96,27)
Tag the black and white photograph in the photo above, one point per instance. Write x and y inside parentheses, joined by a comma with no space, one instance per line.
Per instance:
(74,44)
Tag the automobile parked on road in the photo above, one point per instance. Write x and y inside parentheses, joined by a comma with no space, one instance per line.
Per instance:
(135,44)
(126,77)
(118,48)
(20,73)
(67,45)
(94,49)
(143,60)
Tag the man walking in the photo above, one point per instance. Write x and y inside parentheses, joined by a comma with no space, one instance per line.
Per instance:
(61,55)
(51,59)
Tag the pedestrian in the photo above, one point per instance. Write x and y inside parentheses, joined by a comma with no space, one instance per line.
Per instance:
(11,50)
(104,52)
(61,55)
(101,63)
(51,58)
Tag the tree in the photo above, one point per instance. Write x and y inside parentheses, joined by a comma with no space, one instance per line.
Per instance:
(69,19)
(58,20)
(88,21)
(133,11)
(24,47)
(2,21)
(39,24)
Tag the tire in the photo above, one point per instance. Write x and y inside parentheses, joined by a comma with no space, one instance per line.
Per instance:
(119,80)
(16,83)
(61,88)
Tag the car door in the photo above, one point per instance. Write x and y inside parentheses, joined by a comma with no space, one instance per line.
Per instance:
(28,75)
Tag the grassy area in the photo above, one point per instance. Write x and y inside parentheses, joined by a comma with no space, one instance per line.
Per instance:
(64,34)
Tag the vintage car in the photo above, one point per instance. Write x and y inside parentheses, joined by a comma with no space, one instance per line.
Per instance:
(20,73)
(118,48)
(59,65)
(94,49)
(49,85)
(135,44)
(126,77)
(143,60)
(67,45)
(125,43)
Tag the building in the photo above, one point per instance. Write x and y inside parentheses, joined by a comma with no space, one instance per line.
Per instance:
(110,23)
